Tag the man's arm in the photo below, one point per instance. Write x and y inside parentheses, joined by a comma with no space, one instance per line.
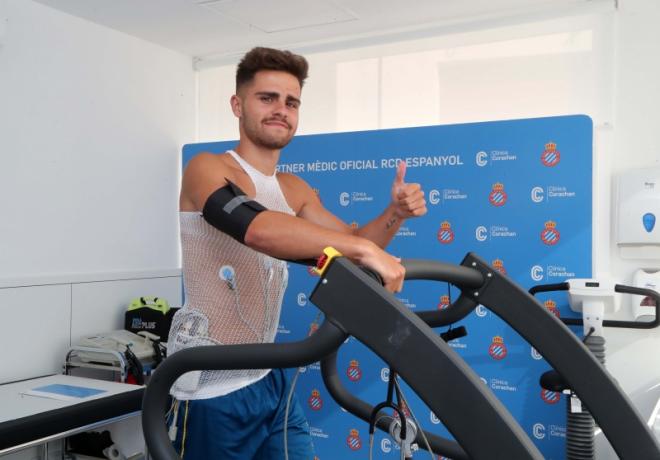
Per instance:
(284,236)
(407,200)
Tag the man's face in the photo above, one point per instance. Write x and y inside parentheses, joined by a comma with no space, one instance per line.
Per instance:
(267,108)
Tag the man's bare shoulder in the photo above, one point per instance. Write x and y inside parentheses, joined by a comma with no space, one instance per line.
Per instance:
(204,173)
(212,167)
(205,163)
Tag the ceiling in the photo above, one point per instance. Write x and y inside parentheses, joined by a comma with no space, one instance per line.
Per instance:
(219,31)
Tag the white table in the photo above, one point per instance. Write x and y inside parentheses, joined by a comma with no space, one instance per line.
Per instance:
(27,420)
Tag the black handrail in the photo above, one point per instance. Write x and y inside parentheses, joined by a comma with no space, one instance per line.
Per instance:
(363,410)
(609,322)
(357,303)
(415,270)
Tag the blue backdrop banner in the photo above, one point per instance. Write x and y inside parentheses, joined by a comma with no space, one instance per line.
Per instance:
(517,193)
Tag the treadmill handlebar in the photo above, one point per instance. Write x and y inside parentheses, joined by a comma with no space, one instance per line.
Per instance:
(655,322)
(363,410)
(647,293)
(430,270)
(549,287)
(621,288)
(458,275)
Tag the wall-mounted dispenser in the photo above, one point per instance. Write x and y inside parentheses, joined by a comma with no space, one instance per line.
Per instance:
(637,211)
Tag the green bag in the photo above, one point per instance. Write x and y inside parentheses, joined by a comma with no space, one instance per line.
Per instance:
(155,303)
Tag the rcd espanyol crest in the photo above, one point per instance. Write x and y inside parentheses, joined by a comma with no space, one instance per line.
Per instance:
(551,305)
(550,156)
(550,234)
(354,373)
(315,402)
(550,397)
(497,196)
(445,234)
(354,442)
(497,349)
(498,264)
(444,302)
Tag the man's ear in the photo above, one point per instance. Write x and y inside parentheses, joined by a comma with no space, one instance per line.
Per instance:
(236,106)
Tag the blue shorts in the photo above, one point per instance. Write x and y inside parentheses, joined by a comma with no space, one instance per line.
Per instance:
(245,424)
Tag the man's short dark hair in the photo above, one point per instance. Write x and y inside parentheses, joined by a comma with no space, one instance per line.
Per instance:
(261,58)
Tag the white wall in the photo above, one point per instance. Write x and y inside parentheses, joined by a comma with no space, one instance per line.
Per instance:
(91,126)
(91,122)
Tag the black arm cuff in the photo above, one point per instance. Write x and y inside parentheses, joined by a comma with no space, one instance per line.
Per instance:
(231,211)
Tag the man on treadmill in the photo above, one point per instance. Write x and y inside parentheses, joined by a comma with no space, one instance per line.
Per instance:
(239,218)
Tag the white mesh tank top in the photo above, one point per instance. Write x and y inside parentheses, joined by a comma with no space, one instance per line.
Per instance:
(233,294)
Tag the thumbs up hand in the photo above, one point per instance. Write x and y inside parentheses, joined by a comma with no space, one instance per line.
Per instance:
(407,199)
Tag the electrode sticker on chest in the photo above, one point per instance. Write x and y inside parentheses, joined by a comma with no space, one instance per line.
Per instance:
(228,274)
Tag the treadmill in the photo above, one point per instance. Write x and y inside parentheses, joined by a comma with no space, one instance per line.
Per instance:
(351,297)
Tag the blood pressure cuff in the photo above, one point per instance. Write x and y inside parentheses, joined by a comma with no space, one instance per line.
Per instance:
(231,211)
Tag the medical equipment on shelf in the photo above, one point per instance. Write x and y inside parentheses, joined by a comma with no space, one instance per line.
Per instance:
(132,355)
